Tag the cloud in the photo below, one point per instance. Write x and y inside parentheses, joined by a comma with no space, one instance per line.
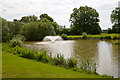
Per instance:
(59,10)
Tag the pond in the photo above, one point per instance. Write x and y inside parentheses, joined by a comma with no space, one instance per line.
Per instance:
(104,53)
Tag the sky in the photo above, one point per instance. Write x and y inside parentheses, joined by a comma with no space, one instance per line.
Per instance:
(59,10)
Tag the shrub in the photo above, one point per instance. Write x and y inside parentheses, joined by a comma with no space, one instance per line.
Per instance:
(59,60)
(87,65)
(84,35)
(26,53)
(101,37)
(71,62)
(43,57)
(105,37)
(17,41)
(115,37)
(64,36)
(109,37)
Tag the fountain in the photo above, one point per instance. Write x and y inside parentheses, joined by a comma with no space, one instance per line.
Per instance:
(52,38)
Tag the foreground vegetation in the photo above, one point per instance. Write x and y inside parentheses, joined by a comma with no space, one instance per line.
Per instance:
(13,67)
(17,67)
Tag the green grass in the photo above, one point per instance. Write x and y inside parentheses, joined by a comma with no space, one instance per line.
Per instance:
(17,67)
(96,36)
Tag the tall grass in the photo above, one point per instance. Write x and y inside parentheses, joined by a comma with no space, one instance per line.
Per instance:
(87,65)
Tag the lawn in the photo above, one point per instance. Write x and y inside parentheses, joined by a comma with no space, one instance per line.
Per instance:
(17,67)
(96,36)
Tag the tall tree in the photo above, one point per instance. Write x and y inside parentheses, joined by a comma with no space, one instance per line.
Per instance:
(37,30)
(5,30)
(42,16)
(115,19)
(85,19)
(30,18)
(15,27)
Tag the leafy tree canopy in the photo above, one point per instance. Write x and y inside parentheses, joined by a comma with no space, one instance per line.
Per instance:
(115,19)
(42,16)
(84,19)
(27,19)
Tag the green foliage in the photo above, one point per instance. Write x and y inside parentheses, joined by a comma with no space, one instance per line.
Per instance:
(71,62)
(30,18)
(84,35)
(5,31)
(104,75)
(38,30)
(45,28)
(59,60)
(85,19)
(107,37)
(115,19)
(15,27)
(87,65)
(55,26)
(24,68)
(109,30)
(29,30)
(17,41)
(42,56)
(42,16)
(75,31)
(117,42)
(64,36)
(65,31)
(25,53)
(115,37)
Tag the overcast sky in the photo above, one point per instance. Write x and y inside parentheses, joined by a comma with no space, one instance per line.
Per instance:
(59,10)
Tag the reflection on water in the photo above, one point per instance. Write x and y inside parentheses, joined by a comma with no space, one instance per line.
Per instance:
(102,52)
(108,63)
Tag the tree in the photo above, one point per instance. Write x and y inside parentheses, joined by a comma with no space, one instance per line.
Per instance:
(65,31)
(29,30)
(5,31)
(45,29)
(30,18)
(42,16)
(115,19)
(56,27)
(109,30)
(15,27)
(84,19)
(37,30)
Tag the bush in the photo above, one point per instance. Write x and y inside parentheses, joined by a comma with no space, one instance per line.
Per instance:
(105,37)
(17,41)
(109,37)
(101,37)
(64,36)
(59,60)
(87,65)
(71,63)
(84,35)
(43,57)
(115,37)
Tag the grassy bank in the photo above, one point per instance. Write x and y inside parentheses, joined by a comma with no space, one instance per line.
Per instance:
(17,67)
(102,35)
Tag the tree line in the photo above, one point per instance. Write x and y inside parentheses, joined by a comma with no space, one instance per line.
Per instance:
(83,19)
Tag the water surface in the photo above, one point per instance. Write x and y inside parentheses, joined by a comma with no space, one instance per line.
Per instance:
(104,53)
